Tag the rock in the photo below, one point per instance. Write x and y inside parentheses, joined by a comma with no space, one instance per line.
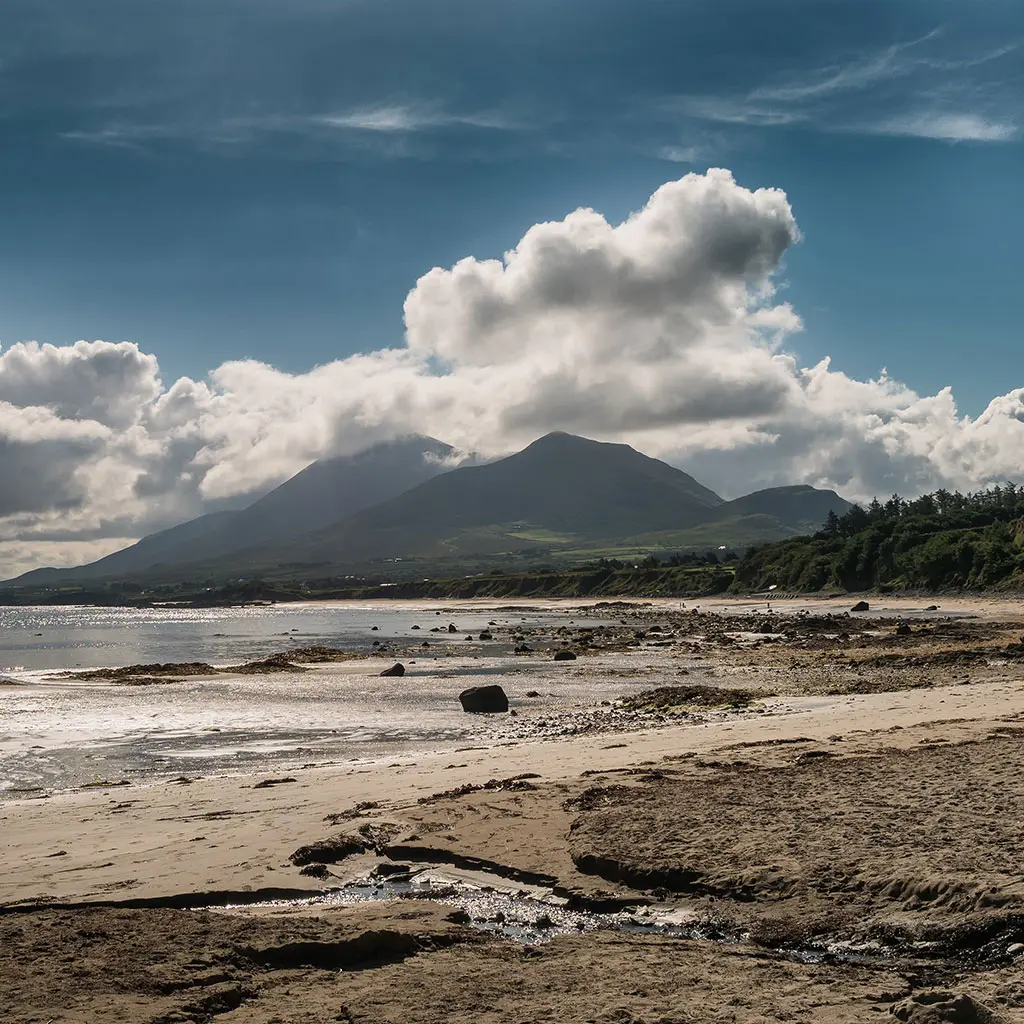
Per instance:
(861,606)
(398,669)
(522,649)
(903,629)
(374,627)
(452,628)
(1016,949)
(486,635)
(316,871)
(941,1008)
(932,608)
(564,656)
(484,699)
(415,627)
(532,693)
(328,851)
(458,917)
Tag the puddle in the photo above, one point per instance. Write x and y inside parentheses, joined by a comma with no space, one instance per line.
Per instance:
(533,916)
(518,915)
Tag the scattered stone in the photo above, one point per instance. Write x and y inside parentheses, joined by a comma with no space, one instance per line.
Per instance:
(267,783)
(315,871)
(415,627)
(861,606)
(398,669)
(458,917)
(486,635)
(452,628)
(374,628)
(532,693)
(484,699)
(564,656)
(1015,950)
(932,608)
(903,629)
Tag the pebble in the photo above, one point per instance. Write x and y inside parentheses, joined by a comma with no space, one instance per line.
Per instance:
(1016,949)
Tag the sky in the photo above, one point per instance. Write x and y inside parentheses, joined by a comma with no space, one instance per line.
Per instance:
(771,241)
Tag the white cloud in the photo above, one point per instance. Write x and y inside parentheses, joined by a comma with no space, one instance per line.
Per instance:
(902,89)
(663,331)
(405,118)
(948,127)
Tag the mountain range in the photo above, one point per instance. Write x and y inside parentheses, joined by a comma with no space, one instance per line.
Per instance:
(562,496)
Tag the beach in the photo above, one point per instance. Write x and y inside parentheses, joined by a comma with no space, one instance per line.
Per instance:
(834,832)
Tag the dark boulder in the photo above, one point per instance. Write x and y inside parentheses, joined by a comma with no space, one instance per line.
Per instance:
(451,628)
(486,635)
(861,606)
(564,656)
(328,851)
(397,669)
(903,629)
(484,699)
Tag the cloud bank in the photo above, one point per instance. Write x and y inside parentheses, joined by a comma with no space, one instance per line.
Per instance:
(664,331)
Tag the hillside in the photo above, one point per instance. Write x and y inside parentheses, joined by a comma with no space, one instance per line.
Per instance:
(560,490)
(391,512)
(563,497)
(321,494)
(940,541)
(799,508)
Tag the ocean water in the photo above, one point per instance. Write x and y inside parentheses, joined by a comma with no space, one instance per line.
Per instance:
(57,734)
(44,638)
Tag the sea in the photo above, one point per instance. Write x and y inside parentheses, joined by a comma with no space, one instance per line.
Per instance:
(58,733)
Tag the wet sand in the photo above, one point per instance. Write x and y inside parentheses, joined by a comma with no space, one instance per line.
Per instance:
(850,843)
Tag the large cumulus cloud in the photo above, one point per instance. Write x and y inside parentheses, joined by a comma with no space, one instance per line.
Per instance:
(663,331)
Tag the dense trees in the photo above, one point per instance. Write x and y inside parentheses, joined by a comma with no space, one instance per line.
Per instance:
(938,541)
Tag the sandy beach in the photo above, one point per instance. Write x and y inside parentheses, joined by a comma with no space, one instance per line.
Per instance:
(837,834)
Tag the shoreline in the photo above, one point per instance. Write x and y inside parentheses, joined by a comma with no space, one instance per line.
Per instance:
(162,811)
(842,840)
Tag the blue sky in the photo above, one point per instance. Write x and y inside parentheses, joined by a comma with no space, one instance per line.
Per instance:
(219,179)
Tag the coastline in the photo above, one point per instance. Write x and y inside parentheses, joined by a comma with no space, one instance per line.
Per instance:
(845,844)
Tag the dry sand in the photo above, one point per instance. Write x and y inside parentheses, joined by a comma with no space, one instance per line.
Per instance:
(877,811)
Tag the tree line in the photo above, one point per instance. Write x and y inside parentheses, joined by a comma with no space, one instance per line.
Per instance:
(942,540)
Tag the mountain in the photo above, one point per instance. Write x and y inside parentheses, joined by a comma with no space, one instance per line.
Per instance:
(563,496)
(801,508)
(561,487)
(321,494)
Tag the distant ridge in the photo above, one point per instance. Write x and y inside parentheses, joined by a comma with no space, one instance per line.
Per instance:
(321,494)
(397,502)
